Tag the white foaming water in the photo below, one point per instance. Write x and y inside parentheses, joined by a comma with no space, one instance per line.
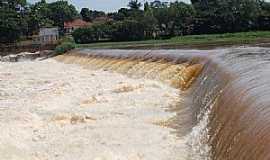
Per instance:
(50,110)
(198,139)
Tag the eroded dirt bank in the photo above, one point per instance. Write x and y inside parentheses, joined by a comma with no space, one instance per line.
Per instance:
(50,110)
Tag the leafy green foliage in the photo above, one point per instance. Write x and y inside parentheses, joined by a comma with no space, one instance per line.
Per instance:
(226,15)
(67,39)
(64,47)
(85,13)
(91,34)
(38,17)
(158,20)
(17,20)
(12,22)
(9,27)
(264,17)
(85,35)
(127,30)
(172,19)
(134,4)
(149,23)
(89,15)
(61,11)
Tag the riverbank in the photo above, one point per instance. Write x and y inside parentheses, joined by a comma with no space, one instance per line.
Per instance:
(16,48)
(261,38)
(24,56)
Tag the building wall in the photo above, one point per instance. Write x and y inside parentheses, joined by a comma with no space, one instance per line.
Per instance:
(48,35)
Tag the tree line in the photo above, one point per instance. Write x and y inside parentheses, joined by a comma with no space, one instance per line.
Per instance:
(161,20)
(151,20)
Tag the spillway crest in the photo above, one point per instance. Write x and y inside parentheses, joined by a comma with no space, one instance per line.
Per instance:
(226,106)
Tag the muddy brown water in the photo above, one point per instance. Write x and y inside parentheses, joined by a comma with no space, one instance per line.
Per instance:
(226,104)
(164,104)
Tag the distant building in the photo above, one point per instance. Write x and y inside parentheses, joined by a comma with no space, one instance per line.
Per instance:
(70,26)
(48,35)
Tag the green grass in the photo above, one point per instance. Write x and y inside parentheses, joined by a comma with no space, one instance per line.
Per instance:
(188,41)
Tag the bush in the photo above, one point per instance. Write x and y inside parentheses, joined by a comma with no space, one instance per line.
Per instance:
(85,35)
(67,39)
(64,47)
(91,34)
(126,30)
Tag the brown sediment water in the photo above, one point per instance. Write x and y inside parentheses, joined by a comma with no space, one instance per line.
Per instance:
(226,94)
(179,75)
(137,105)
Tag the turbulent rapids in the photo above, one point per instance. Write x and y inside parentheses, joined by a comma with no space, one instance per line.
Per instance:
(228,103)
(168,104)
(179,73)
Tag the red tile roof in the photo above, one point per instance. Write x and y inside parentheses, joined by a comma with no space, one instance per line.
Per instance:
(76,23)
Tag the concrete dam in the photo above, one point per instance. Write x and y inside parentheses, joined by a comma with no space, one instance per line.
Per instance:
(138,104)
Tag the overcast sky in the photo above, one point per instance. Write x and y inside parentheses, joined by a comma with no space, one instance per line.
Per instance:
(104,5)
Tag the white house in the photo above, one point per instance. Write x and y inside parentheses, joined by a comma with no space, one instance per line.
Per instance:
(48,35)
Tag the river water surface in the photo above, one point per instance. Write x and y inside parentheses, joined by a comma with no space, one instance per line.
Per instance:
(138,105)
(50,110)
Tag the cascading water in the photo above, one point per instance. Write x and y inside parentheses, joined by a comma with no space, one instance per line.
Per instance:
(225,109)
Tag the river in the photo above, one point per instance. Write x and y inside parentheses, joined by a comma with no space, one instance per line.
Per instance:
(138,104)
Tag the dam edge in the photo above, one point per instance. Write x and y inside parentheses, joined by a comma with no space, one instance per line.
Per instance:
(215,92)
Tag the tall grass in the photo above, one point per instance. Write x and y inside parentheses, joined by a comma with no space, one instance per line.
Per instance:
(226,38)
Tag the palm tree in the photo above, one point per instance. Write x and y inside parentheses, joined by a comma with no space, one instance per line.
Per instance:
(134,4)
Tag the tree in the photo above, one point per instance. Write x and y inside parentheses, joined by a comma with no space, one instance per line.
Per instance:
(85,35)
(201,5)
(89,15)
(122,13)
(61,11)
(93,33)
(10,30)
(181,15)
(146,7)
(264,17)
(85,13)
(12,21)
(127,30)
(134,4)
(39,17)
(158,4)
(227,15)
(149,22)
(12,4)
(161,13)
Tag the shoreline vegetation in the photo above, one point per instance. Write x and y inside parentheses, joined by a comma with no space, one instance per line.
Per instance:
(206,41)
(191,41)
